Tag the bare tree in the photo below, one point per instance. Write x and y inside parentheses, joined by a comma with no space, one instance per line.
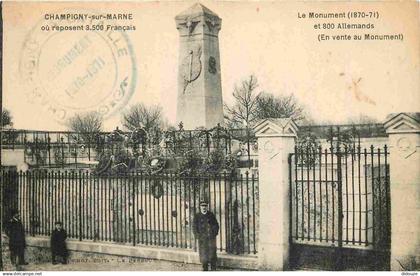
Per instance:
(142,116)
(270,106)
(87,124)
(6,118)
(242,113)
(8,135)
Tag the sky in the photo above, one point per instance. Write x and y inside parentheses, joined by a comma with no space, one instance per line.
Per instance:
(333,80)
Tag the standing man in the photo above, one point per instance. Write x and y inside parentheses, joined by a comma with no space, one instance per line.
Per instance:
(58,244)
(206,228)
(16,233)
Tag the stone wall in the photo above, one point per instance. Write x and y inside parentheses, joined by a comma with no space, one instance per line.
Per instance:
(38,252)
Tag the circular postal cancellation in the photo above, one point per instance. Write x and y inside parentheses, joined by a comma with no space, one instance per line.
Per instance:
(79,69)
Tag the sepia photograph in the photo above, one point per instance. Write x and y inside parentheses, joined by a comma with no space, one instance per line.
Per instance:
(210,136)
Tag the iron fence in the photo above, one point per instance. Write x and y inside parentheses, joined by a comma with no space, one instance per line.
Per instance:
(135,208)
(340,197)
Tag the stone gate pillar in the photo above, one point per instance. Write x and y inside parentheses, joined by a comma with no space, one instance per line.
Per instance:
(404,143)
(276,140)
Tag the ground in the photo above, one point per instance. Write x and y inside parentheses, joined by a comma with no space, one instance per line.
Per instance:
(138,265)
(39,259)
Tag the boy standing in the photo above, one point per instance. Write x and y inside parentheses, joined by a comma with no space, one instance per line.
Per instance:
(58,244)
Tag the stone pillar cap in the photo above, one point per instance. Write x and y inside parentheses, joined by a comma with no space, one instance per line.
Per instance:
(276,127)
(403,123)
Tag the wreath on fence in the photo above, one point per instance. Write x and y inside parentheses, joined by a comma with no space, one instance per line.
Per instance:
(59,158)
(157,189)
(308,146)
(37,149)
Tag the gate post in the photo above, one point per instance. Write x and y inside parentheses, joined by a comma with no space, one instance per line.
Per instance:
(404,141)
(276,140)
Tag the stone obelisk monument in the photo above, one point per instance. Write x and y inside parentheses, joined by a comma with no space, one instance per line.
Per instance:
(200,102)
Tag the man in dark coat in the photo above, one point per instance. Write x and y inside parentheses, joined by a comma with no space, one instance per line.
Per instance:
(58,244)
(16,233)
(206,228)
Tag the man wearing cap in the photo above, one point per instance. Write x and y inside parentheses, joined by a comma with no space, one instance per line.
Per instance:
(206,228)
(16,233)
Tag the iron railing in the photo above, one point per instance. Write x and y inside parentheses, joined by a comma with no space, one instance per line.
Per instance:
(340,197)
(136,208)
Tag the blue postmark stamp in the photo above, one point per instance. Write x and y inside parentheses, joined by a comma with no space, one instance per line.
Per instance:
(69,66)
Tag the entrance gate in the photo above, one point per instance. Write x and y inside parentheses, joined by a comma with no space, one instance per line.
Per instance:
(339,208)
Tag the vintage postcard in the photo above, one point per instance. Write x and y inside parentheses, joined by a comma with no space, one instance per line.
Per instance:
(210,135)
